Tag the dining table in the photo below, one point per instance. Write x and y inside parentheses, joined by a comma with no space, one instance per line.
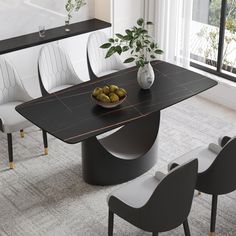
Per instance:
(131,148)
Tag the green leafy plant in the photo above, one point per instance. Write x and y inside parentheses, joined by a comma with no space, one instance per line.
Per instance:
(74,5)
(210,36)
(137,40)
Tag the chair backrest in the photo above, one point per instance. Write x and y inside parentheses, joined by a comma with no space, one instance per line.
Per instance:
(96,55)
(11,88)
(220,177)
(55,68)
(171,202)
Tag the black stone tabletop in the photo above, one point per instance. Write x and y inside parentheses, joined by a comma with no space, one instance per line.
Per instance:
(72,116)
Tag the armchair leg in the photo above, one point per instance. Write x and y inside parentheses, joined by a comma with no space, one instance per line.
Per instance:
(186,228)
(154,234)
(213,214)
(45,142)
(110,223)
(10,151)
(22,134)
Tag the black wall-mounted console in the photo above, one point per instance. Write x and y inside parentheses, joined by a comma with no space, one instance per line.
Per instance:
(33,39)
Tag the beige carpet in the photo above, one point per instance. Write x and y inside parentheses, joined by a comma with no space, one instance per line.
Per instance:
(46,195)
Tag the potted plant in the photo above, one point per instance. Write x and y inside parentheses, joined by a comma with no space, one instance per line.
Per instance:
(72,6)
(142,49)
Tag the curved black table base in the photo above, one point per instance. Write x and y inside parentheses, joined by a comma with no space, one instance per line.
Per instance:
(123,155)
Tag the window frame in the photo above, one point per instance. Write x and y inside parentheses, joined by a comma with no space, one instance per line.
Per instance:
(219,61)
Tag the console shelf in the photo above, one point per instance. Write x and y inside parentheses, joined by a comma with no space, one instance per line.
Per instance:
(33,39)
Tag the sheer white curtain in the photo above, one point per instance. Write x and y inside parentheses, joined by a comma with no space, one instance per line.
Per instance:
(172,28)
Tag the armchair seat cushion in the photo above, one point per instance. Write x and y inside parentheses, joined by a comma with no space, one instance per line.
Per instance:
(205,157)
(137,193)
(103,73)
(58,88)
(12,121)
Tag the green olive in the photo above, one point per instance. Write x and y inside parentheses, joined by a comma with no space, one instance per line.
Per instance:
(106,90)
(121,92)
(103,98)
(113,88)
(114,97)
(97,91)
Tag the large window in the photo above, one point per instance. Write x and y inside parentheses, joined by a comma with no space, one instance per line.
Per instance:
(213,37)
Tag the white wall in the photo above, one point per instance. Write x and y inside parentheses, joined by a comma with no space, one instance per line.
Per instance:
(19,17)
(126,13)
(25,17)
(103,9)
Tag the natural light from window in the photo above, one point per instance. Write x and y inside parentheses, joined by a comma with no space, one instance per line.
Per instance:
(205,33)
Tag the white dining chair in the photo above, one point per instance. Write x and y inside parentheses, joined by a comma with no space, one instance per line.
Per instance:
(98,65)
(55,70)
(12,93)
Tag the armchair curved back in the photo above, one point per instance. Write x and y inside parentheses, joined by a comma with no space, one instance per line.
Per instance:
(55,69)
(220,177)
(171,202)
(11,87)
(97,63)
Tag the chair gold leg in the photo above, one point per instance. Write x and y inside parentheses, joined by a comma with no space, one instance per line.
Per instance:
(22,133)
(45,142)
(11,165)
(45,151)
(213,214)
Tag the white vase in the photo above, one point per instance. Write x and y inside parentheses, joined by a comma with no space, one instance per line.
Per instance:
(146,76)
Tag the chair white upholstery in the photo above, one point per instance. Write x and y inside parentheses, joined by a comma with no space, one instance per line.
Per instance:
(137,193)
(12,93)
(157,203)
(12,121)
(58,88)
(205,156)
(96,56)
(55,69)
(214,148)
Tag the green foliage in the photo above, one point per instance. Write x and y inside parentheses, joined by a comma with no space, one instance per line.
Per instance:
(231,25)
(106,45)
(74,5)
(136,40)
(211,36)
(215,12)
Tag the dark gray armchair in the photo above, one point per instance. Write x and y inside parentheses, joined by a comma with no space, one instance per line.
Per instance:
(216,173)
(156,204)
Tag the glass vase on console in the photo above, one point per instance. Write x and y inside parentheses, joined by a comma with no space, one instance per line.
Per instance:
(67,23)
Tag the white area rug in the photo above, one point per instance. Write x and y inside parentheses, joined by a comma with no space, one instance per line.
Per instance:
(46,195)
